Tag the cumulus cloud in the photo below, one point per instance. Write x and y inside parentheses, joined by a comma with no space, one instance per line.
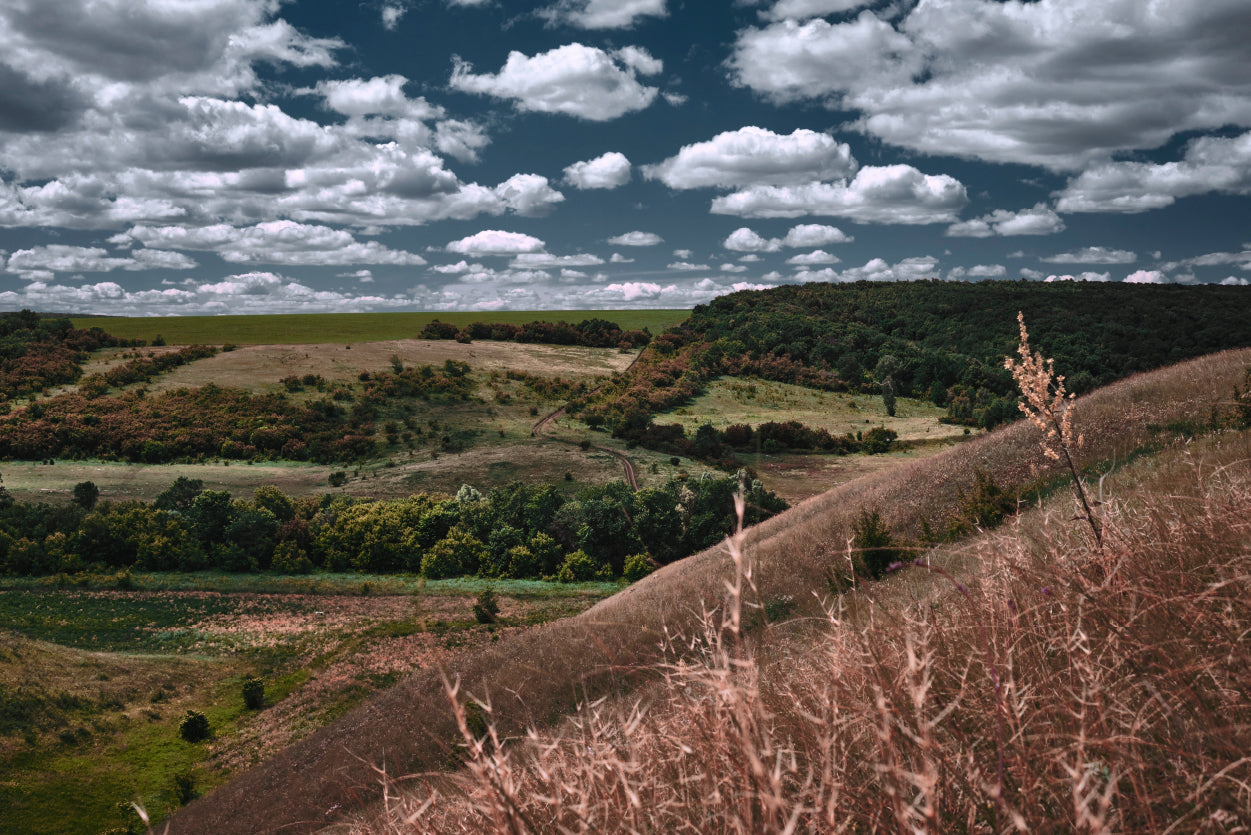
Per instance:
(608,170)
(897,194)
(817,256)
(496,242)
(1086,276)
(528,194)
(43,261)
(1235,281)
(1093,255)
(575,80)
(688,267)
(979,271)
(636,238)
(274,242)
(618,258)
(748,240)
(1059,83)
(1040,220)
(604,14)
(1210,164)
(815,234)
(391,14)
(755,156)
(733,268)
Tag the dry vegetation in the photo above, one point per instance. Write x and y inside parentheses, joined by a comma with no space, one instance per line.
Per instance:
(1113,692)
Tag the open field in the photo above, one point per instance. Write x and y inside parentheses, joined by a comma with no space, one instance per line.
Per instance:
(343,328)
(94,679)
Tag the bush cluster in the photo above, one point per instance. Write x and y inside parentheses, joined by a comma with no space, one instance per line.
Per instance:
(590,333)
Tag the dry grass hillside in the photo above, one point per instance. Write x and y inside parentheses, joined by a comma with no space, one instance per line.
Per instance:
(615,648)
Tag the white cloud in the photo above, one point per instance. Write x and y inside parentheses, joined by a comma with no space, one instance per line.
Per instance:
(755,156)
(576,80)
(684,254)
(750,258)
(888,194)
(378,96)
(618,258)
(458,268)
(528,194)
(1146,277)
(688,267)
(496,242)
(363,276)
(273,242)
(391,15)
(747,240)
(1093,255)
(1056,83)
(817,256)
(1210,164)
(1235,281)
(636,239)
(540,260)
(1040,220)
(815,234)
(733,268)
(608,170)
(801,9)
(980,271)
(43,261)
(604,14)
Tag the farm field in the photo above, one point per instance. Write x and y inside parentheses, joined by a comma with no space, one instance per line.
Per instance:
(342,328)
(95,678)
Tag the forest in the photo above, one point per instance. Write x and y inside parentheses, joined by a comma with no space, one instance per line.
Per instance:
(941,341)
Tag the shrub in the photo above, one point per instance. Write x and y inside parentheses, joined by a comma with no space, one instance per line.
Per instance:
(873,541)
(184,788)
(578,567)
(338,478)
(254,693)
(637,566)
(194,727)
(486,608)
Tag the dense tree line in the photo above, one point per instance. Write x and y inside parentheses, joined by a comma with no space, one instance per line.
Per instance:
(948,338)
(589,333)
(37,352)
(519,530)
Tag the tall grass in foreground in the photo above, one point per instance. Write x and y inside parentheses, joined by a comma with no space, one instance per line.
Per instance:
(1123,707)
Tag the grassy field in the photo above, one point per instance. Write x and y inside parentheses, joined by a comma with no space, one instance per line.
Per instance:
(94,678)
(344,328)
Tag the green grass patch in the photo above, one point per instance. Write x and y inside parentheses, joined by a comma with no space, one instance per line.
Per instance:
(346,328)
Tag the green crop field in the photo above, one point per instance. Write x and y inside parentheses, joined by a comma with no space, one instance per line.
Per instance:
(310,328)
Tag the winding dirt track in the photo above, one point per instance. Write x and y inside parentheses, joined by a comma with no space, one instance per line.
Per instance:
(539,430)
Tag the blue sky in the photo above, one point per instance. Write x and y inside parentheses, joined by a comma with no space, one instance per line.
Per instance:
(177,157)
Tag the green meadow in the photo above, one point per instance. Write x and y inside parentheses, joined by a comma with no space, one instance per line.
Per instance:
(314,328)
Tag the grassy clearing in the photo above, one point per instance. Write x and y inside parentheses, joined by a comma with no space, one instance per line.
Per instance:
(795,477)
(343,328)
(93,679)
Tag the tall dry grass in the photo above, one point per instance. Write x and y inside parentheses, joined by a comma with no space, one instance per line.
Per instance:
(1045,691)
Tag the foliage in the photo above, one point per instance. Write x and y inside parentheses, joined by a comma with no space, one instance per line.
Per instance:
(872,540)
(637,566)
(253,693)
(194,726)
(486,608)
(86,494)
(590,333)
(38,352)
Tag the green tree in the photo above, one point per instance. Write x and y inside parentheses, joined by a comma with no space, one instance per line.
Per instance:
(86,494)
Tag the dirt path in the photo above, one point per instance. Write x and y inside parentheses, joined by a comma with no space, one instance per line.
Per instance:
(539,430)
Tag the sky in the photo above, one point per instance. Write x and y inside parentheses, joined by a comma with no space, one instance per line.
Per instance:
(185,157)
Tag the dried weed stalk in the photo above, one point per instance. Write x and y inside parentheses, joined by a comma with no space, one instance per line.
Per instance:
(1050,408)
